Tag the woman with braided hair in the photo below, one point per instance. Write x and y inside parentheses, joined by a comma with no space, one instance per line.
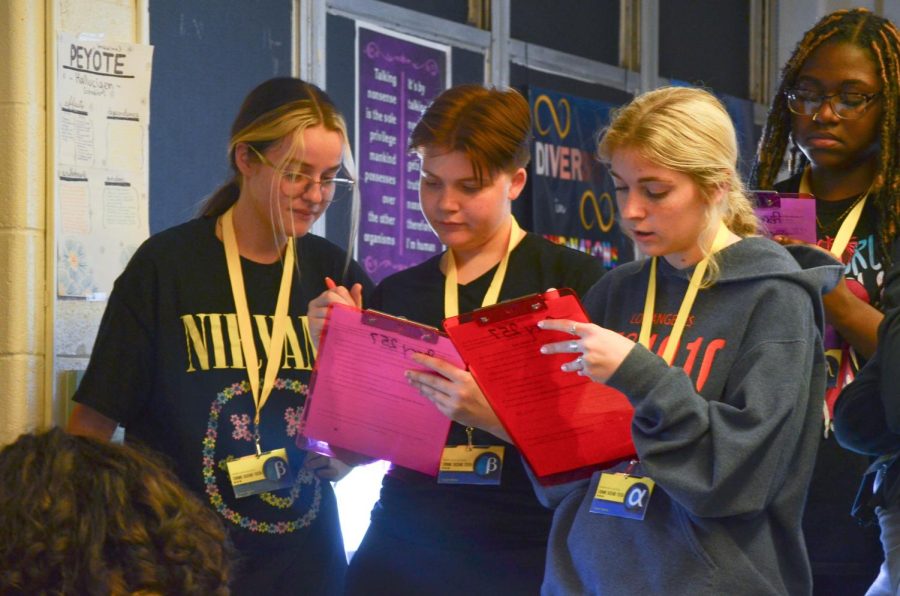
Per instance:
(837,108)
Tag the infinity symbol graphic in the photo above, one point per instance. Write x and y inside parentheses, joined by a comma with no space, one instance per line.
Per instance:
(563,103)
(589,197)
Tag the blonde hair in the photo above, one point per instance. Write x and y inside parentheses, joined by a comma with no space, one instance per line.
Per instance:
(687,130)
(280,108)
(276,109)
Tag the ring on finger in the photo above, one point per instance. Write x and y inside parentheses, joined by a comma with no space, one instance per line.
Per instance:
(574,330)
(573,346)
(579,363)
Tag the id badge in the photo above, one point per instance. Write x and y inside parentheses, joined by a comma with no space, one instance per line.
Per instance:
(255,474)
(622,495)
(461,464)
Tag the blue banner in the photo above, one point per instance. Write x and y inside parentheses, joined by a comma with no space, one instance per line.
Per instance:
(572,194)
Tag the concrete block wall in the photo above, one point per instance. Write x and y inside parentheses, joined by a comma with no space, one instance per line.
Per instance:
(23,303)
(33,322)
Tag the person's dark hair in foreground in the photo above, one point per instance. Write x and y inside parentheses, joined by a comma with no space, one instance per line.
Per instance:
(81,516)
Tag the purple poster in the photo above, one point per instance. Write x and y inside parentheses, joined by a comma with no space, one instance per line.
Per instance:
(397,78)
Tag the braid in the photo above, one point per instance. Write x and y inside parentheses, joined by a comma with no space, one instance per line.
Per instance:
(886,47)
(774,140)
(861,28)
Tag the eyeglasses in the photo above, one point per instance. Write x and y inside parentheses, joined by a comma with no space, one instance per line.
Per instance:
(845,105)
(331,189)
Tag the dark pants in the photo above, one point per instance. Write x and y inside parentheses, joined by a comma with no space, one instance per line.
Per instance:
(317,568)
(387,565)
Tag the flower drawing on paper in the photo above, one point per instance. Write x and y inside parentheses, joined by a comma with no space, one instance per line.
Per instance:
(75,276)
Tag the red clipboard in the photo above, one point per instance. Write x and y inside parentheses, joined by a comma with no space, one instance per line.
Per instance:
(565,425)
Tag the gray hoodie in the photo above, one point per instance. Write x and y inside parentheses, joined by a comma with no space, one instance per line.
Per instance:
(728,433)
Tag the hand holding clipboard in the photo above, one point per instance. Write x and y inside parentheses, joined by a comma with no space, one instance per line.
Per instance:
(359,397)
(453,390)
(565,425)
(600,351)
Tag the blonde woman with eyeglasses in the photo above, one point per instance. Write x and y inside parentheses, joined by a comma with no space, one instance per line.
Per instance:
(204,351)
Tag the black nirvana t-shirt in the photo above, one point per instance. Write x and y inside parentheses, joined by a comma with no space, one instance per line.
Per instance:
(168,365)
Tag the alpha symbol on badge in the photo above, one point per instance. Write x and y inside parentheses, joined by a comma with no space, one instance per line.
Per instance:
(486,464)
(275,469)
(636,497)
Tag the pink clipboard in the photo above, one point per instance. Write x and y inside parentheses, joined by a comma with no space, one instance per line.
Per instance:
(787,214)
(359,398)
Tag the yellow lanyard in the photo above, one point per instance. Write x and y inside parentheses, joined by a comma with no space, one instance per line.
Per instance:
(276,343)
(451,289)
(686,304)
(845,232)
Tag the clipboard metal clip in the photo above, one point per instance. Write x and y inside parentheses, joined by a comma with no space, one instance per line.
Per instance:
(508,310)
(399,326)
(765,198)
